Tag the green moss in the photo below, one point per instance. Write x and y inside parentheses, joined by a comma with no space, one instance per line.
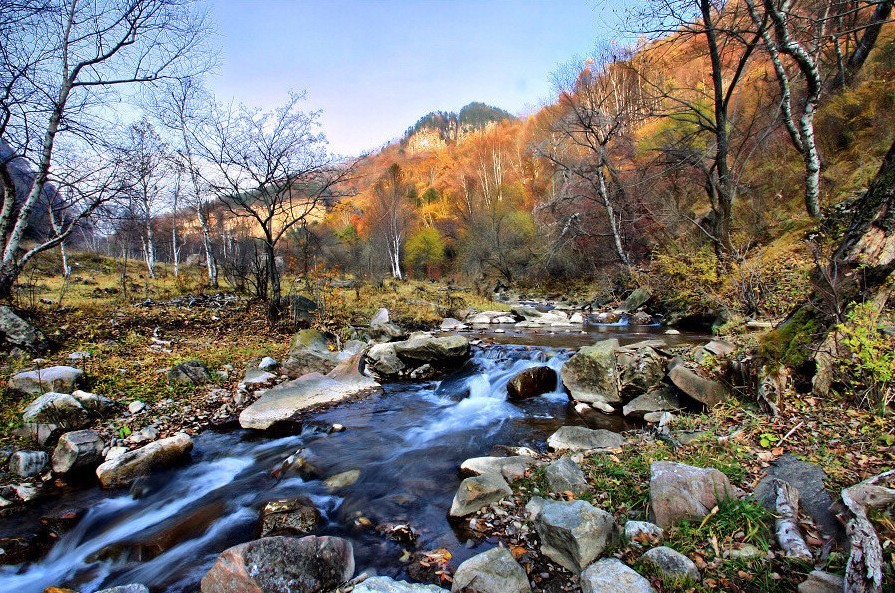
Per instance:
(790,344)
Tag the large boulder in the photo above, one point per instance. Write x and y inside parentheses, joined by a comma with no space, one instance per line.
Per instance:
(59,379)
(280,565)
(661,398)
(478,492)
(288,401)
(189,372)
(610,575)
(57,409)
(703,390)
(532,383)
(579,438)
(590,375)
(681,492)
(639,370)
(289,516)
(564,475)
(120,471)
(390,585)
(309,352)
(494,571)
(78,450)
(17,336)
(574,533)
(399,359)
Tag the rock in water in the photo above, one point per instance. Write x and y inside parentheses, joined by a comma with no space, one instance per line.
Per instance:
(564,475)
(59,409)
(532,383)
(132,588)
(309,353)
(286,402)
(611,576)
(59,379)
(441,350)
(389,585)
(511,468)
(682,492)
(590,375)
(449,324)
(19,337)
(579,438)
(280,565)
(478,492)
(122,470)
(494,571)
(190,372)
(81,449)
(671,564)
(573,534)
(703,390)
(289,516)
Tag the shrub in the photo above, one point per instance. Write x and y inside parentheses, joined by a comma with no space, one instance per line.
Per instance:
(866,365)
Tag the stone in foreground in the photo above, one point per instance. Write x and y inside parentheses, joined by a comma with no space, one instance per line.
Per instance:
(120,471)
(564,475)
(78,450)
(494,571)
(573,534)
(671,564)
(282,564)
(681,492)
(579,438)
(286,402)
(61,379)
(610,575)
(390,585)
(478,492)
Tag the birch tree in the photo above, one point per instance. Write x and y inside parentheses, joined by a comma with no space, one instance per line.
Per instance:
(64,64)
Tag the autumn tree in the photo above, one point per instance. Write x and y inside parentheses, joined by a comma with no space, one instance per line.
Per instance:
(390,209)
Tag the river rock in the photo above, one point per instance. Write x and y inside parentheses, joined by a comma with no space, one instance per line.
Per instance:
(281,564)
(703,390)
(309,353)
(77,450)
(441,350)
(661,398)
(289,516)
(27,464)
(449,324)
(58,409)
(683,492)
(383,360)
(342,480)
(120,471)
(478,492)
(390,585)
(638,298)
(287,401)
(574,533)
(590,375)
(639,370)
(18,337)
(382,328)
(494,571)
(671,564)
(190,372)
(822,582)
(564,475)
(58,379)
(610,575)
(511,468)
(532,383)
(132,588)
(579,438)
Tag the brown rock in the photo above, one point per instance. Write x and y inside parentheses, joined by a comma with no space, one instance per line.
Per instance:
(703,390)
(683,492)
(532,383)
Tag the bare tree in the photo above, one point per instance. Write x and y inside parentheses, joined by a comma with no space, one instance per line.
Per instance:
(390,193)
(85,54)
(272,168)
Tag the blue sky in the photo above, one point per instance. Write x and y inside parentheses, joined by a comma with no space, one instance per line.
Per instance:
(375,66)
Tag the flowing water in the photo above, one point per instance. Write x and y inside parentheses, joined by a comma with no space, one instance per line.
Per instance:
(407,442)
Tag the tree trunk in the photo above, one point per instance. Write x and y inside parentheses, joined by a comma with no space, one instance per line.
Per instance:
(273,280)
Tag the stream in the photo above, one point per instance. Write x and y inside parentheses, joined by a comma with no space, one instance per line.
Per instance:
(407,441)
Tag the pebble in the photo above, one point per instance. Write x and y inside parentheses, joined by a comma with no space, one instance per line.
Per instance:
(136,406)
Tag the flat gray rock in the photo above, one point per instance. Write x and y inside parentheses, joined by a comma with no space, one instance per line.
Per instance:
(59,379)
(671,564)
(390,585)
(610,575)
(494,571)
(478,492)
(579,438)
(564,475)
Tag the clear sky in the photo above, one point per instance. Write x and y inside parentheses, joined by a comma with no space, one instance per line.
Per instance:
(376,66)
